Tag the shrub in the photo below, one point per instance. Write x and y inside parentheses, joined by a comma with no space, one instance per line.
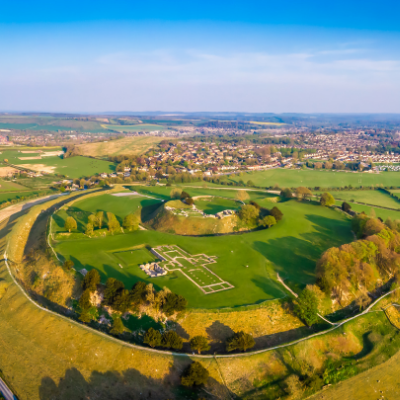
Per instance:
(276,213)
(118,327)
(91,280)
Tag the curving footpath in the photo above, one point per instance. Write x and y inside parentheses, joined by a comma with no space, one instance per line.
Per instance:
(142,348)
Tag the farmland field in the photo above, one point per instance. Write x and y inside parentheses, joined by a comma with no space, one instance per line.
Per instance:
(322,178)
(136,128)
(72,167)
(125,146)
(248,261)
(7,186)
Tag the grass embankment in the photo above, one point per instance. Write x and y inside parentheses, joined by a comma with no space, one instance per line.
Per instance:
(125,146)
(312,178)
(291,248)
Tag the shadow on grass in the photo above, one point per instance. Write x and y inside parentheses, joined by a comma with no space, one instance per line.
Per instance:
(130,384)
(295,258)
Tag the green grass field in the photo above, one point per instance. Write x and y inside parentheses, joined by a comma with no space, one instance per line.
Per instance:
(322,178)
(72,167)
(8,186)
(120,206)
(291,248)
(214,205)
(374,197)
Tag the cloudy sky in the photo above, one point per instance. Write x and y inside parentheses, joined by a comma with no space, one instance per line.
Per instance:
(255,56)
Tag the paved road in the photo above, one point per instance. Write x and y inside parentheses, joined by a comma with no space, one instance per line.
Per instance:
(6,392)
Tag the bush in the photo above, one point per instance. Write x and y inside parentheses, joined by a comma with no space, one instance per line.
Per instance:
(70,224)
(174,303)
(118,327)
(346,207)
(68,265)
(195,375)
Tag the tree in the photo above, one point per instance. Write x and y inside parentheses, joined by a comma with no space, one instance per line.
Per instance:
(92,219)
(268,221)
(70,224)
(306,307)
(82,183)
(118,327)
(199,344)
(91,280)
(171,339)
(113,288)
(131,222)
(276,213)
(195,375)
(173,303)
(250,183)
(152,338)
(242,195)
(249,214)
(113,224)
(303,193)
(99,216)
(89,229)
(175,193)
(240,341)
(286,193)
(346,207)
(327,200)
(84,300)
(373,226)
(68,265)
(138,293)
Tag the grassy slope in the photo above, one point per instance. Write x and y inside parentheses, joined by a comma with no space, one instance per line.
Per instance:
(128,146)
(291,248)
(322,178)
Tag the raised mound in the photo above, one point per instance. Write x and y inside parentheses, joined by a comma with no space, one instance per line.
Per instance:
(207,216)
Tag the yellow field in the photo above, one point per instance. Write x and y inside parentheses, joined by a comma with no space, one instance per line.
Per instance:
(126,146)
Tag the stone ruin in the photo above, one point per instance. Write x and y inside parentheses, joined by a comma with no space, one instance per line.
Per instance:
(153,270)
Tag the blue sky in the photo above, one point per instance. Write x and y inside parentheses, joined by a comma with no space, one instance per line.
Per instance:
(255,56)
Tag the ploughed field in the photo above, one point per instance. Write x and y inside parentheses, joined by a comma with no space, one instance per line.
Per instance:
(247,263)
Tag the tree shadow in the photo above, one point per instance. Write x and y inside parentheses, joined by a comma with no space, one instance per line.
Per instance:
(218,333)
(130,384)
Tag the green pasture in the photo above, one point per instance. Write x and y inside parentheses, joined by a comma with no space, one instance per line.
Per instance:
(136,128)
(163,192)
(313,178)
(291,248)
(8,186)
(214,205)
(72,167)
(8,196)
(373,197)
(120,206)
